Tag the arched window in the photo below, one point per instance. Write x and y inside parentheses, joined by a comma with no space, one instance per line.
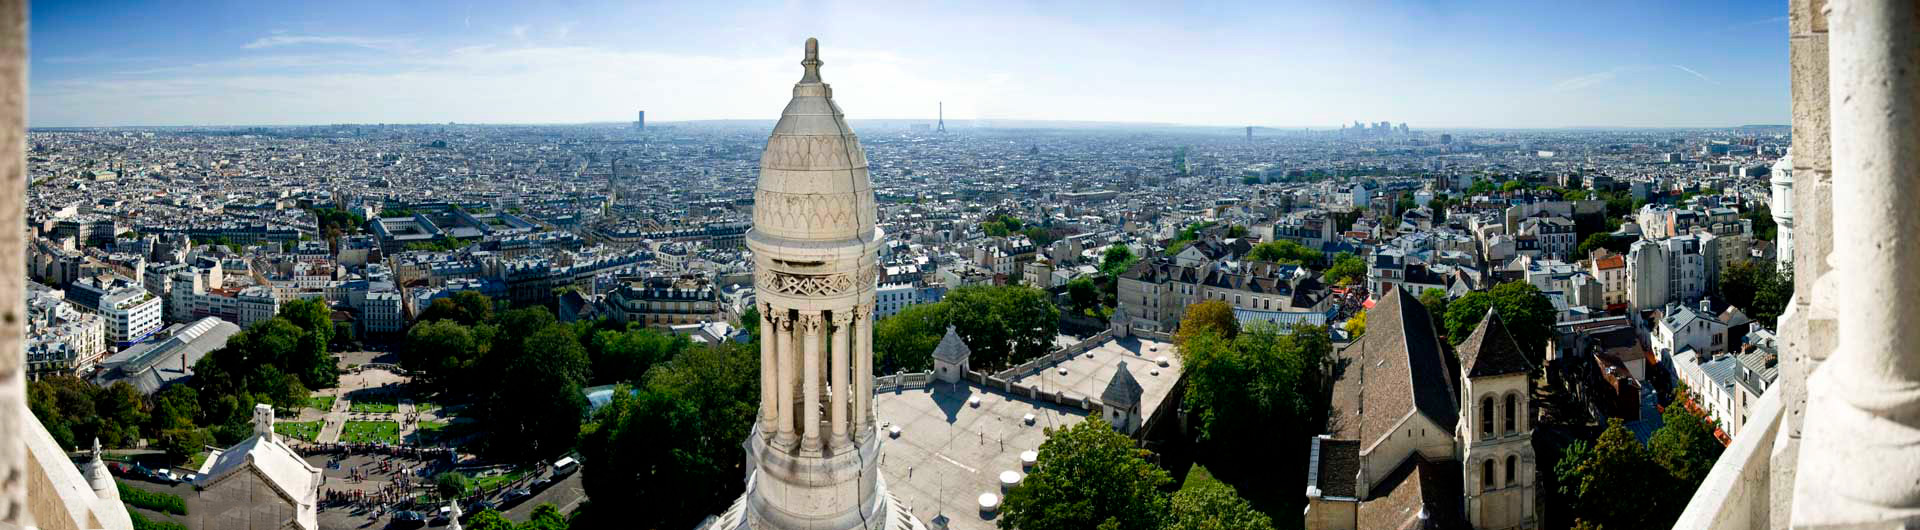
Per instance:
(1512,463)
(1486,475)
(1513,404)
(1486,415)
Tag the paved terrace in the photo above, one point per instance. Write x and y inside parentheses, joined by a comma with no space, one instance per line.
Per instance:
(949,451)
(1087,373)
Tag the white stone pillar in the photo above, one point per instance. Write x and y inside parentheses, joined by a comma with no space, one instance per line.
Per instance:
(769,371)
(1863,420)
(13,273)
(810,324)
(863,366)
(841,389)
(788,377)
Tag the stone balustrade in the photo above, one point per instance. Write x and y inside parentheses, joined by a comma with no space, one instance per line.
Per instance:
(1735,494)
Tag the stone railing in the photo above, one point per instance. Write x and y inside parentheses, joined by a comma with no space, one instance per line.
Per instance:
(1161,336)
(1737,492)
(887,383)
(1056,356)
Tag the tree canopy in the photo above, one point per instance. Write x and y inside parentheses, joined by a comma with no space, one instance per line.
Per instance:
(1116,261)
(1528,314)
(1285,251)
(1211,505)
(905,341)
(1758,289)
(1347,269)
(1003,325)
(1088,476)
(1210,316)
(1615,482)
(674,442)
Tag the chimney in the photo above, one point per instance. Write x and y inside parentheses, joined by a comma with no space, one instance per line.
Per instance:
(263,421)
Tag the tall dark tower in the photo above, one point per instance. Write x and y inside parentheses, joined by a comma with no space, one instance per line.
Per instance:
(1249,133)
(640,123)
(943,117)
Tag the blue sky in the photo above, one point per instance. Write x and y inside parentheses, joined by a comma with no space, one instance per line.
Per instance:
(1270,63)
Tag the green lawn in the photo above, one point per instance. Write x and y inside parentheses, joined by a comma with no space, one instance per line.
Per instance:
(374,404)
(492,481)
(322,403)
(423,406)
(200,458)
(371,432)
(304,430)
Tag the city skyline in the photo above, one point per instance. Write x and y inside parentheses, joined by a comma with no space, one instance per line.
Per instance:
(1430,64)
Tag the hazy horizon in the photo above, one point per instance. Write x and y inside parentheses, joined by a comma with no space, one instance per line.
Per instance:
(1430,64)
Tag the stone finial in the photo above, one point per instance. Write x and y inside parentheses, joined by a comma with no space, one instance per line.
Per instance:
(263,420)
(96,448)
(812,62)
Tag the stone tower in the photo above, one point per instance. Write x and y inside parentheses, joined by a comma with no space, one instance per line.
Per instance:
(815,453)
(1495,432)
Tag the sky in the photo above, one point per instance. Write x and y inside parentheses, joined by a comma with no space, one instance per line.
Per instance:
(1273,63)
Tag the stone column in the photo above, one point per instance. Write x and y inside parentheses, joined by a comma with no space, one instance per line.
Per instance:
(863,366)
(787,376)
(838,413)
(1804,339)
(769,371)
(13,272)
(810,324)
(1863,402)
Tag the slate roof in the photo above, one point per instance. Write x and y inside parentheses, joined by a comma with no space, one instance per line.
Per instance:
(1123,390)
(1491,351)
(952,349)
(1338,468)
(1394,370)
(1416,495)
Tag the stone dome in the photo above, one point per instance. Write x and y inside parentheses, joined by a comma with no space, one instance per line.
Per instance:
(813,175)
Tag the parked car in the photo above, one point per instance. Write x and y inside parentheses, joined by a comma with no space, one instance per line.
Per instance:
(407,519)
(515,495)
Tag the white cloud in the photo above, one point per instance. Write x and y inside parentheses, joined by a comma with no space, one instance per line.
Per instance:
(1703,77)
(277,40)
(504,84)
(1584,81)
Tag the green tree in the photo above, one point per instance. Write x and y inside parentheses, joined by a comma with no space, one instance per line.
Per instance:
(750,321)
(1615,482)
(1435,301)
(1213,506)
(536,416)
(465,307)
(1211,316)
(439,351)
(1356,325)
(1598,240)
(1003,325)
(625,356)
(312,362)
(905,341)
(489,519)
(1116,261)
(1083,294)
(1088,476)
(1284,251)
(181,444)
(1528,314)
(1347,269)
(1685,446)
(1756,288)
(450,484)
(708,399)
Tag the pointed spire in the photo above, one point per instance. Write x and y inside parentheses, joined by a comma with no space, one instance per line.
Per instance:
(812,62)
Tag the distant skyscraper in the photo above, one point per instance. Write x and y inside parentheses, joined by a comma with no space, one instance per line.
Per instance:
(1249,132)
(943,116)
(640,123)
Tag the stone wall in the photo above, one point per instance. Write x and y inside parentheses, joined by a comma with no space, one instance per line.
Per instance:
(1041,362)
(13,269)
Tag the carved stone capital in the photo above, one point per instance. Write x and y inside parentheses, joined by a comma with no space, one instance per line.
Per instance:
(810,322)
